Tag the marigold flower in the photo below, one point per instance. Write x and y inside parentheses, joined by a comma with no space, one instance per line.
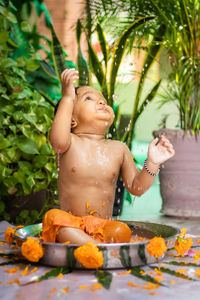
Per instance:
(150,286)
(14,281)
(183,232)
(9,233)
(83,287)
(96,286)
(133,284)
(182,245)
(32,250)
(124,273)
(89,256)
(156,247)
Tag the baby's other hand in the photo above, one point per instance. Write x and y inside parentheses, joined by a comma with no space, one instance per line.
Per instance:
(68,76)
(159,152)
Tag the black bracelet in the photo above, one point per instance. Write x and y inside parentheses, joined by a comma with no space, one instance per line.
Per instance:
(152,174)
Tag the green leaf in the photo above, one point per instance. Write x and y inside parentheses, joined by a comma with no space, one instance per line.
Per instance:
(40,161)
(4,36)
(25,26)
(46,149)
(4,143)
(176,263)
(96,65)
(24,213)
(53,273)
(138,272)
(71,260)
(153,51)
(57,53)
(103,44)
(125,257)
(2,207)
(27,146)
(30,180)
(175,273)
(32,65)
(104,277)
(8,62)
(81,62)
(141,253)
(13,153)
(11,17)
(119,51)
(49,70)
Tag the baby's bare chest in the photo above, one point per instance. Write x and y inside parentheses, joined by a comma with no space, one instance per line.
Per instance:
(95,161)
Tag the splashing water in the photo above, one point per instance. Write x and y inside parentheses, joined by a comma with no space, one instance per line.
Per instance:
(133,200)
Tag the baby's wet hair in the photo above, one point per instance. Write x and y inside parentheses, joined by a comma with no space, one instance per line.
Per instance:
(56,107)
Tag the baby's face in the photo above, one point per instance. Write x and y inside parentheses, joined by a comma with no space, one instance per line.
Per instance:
(91,108)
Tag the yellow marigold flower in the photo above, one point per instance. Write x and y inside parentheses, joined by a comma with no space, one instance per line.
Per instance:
(182,245)
(14,281)
(32,250)
(197,272)
(133,284)
(156,247)
(13,270)
(96,286)
(89,256)
(183,232)
(83,287)
(9,235)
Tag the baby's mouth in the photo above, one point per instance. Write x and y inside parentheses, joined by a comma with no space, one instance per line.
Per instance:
(104,109)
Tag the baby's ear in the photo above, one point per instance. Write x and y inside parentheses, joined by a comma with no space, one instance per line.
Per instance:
(73,123)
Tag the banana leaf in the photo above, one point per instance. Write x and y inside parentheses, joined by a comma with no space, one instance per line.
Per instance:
(150,58)
(48,69)
(119,51)
(148,99)
(95,64)
(81,62)
(57,53)
(103,44)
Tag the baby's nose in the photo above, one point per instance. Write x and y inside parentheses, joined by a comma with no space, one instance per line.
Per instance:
(101,101)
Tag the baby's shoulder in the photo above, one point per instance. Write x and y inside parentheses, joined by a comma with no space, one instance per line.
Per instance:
(117,145)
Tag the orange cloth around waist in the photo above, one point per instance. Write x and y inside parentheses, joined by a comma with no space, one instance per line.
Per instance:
(56,218)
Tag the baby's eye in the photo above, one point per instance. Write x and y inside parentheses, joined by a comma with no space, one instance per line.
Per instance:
(88,98)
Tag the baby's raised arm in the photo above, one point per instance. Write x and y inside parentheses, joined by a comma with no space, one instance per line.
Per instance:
(60,134)
(138,182)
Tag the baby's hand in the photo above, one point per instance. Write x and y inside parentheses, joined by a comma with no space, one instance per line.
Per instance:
(68,76)
(160,152)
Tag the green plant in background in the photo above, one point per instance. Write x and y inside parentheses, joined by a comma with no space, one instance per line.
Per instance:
(27,162)
(106,76)
(181,39)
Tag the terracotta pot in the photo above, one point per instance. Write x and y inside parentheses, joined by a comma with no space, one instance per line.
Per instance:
(180,176)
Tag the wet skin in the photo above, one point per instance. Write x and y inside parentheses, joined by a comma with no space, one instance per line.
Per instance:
(89,165)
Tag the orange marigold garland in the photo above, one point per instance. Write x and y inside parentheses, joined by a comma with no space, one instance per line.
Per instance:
(9,233)
(32,250)
(183,244)
(156,247)
(89,256)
